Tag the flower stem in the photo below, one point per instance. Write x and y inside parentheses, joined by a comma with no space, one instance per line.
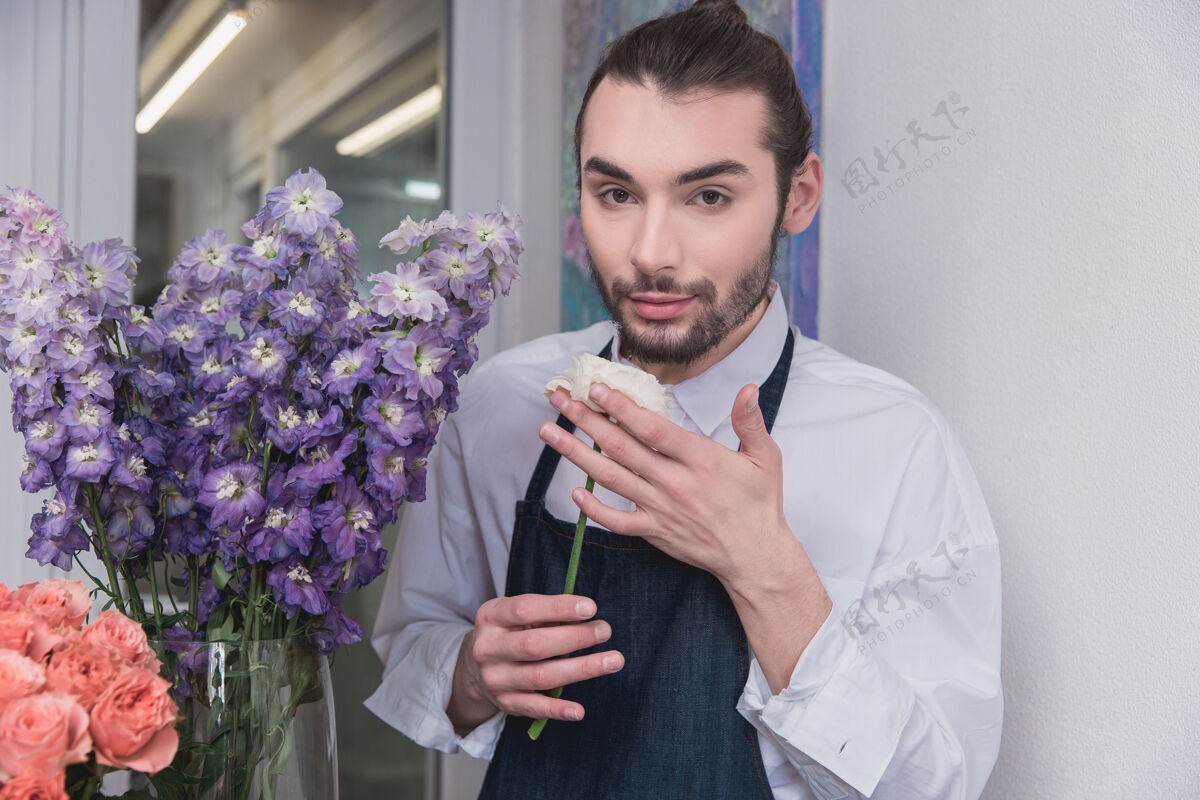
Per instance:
(535,729)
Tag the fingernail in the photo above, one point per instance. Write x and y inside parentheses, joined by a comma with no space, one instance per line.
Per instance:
(752,403)
(612,663)
(585,608)
(549,433)
(603,632)
(573,714)
(558,400)
(598,392)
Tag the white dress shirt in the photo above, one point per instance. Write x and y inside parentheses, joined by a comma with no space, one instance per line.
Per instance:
(898,694)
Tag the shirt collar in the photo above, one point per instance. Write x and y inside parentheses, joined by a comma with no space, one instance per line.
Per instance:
(708,397)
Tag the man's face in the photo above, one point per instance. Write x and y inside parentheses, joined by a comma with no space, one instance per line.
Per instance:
(679,205)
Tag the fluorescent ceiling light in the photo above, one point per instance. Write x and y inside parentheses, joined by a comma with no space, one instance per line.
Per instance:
(191,69)
(392,125)
(423,190)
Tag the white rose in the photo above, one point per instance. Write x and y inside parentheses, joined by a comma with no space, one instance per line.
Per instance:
(640,387)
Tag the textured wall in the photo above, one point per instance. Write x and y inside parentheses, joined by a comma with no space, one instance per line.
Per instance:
(1040,281)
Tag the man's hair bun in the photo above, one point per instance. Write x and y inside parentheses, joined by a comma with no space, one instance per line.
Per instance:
(727,8)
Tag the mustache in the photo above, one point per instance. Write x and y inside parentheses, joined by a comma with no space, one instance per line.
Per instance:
(702,288)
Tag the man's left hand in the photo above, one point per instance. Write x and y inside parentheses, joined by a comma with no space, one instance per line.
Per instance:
(697,500)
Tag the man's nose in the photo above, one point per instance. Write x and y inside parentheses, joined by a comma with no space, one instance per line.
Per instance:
(656,245)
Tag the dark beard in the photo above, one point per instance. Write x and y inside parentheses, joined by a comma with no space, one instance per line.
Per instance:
(715,321)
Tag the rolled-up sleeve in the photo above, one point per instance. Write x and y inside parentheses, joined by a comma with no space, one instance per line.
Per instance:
(898,694)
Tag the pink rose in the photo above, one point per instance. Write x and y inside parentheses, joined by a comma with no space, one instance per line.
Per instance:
(42,733)
(83,670)
(60,602)
(133,723)
(36,787)
(20,676)
(116,632)
(26,633)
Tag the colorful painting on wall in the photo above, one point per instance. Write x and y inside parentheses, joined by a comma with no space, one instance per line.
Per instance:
(590,26)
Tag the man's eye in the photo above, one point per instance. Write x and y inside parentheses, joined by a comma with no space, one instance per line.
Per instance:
(711,197)
(618,196)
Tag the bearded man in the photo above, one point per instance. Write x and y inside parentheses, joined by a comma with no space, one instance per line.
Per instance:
(790,589)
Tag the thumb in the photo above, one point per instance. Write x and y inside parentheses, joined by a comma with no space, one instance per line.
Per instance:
(748,422)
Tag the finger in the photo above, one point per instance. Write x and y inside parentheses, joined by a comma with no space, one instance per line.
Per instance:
(606,471)
(631,523)
(538,644)
(535,705)
(525,610)
(647,427)
(616,442)
(749,425)
(555,672)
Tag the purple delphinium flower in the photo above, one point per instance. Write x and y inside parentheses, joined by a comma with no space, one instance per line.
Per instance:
(107,269)
(232,494)
(386,479)
(209,256)
(213,368)
(410,234)
(85,419)
(264,356)
(346,522)
(337,630)
(46,437)
(56,534)
(159,425)
(286,528)
(94,380)
(130,525)
(321,464)
(405,293)
(89,461)
(296,308)
(452,269)
(391,413)
(421,359)
(28,264)
(218,306)
(36,474)
(299,588)
(303,204)
(352,367)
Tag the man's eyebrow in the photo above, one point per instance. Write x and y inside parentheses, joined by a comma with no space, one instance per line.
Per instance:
(726,167)
(608,169)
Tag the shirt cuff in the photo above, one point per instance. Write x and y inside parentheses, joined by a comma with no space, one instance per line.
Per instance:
(416,690)
(843,708)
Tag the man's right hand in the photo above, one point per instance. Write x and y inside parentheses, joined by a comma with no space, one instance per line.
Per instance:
(509,658)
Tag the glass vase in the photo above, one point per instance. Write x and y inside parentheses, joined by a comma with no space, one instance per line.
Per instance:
(257,723)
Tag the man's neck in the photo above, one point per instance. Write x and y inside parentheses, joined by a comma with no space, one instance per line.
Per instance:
(674,374)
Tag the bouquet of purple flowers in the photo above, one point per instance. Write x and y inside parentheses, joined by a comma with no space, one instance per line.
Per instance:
(242,443)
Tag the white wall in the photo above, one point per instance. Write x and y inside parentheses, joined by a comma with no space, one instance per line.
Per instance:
(66,131)
(1041,283)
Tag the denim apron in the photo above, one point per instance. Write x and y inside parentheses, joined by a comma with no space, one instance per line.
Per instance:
(665,726)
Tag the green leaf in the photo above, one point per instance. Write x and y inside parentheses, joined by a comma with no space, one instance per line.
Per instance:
(220,575)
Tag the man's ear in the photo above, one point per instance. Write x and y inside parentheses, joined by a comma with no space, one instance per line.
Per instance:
(804,196)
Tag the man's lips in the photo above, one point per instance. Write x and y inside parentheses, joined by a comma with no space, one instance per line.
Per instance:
(653,305)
